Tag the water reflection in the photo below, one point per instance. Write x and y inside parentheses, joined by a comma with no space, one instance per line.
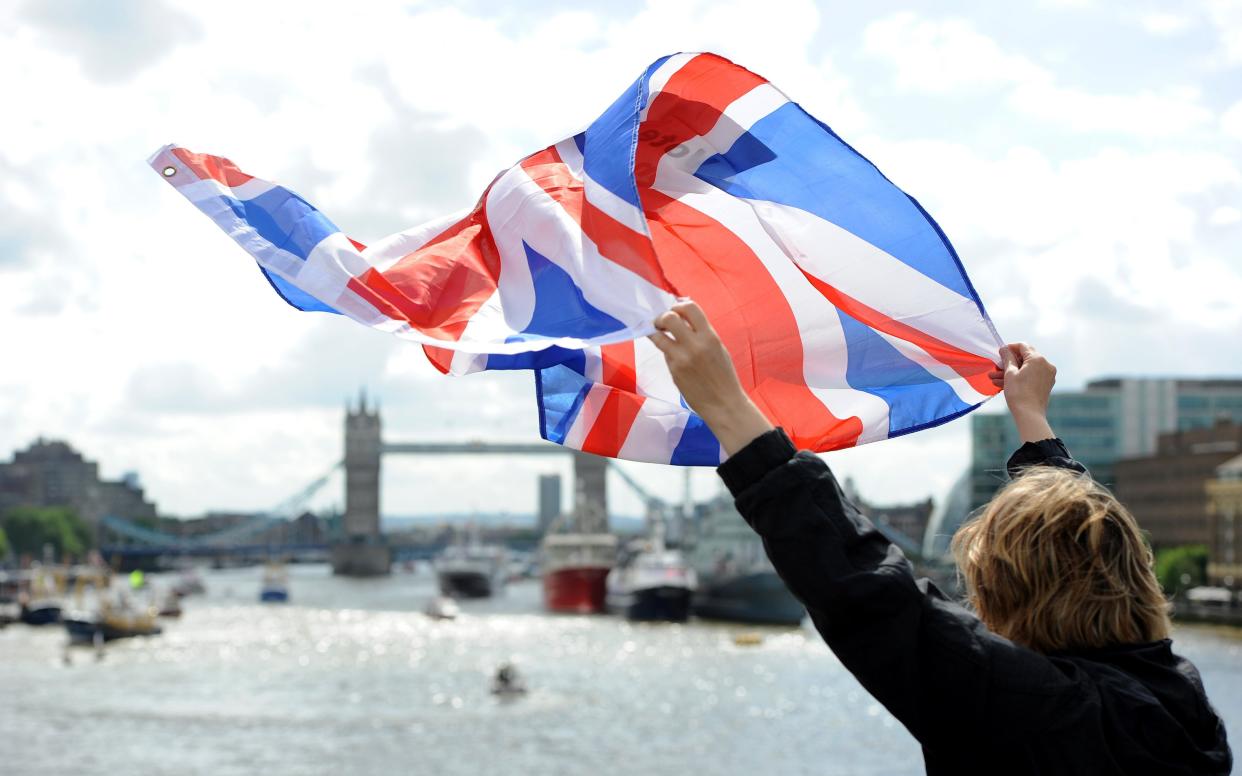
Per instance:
(354,678)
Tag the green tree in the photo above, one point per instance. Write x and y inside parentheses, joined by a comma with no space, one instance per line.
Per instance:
(1181,568)
(30,528)
(4,544)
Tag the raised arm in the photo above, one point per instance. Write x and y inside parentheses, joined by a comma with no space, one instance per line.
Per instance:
(1027,378)
(930,662)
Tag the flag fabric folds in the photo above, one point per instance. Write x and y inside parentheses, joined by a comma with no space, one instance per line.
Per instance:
(845,308)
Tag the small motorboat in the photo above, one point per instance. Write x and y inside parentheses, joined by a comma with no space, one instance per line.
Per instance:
(110,622)
(189,583)
(275,587)
(442,608)
(508,683)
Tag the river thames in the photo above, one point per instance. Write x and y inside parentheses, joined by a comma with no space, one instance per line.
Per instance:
(350,677)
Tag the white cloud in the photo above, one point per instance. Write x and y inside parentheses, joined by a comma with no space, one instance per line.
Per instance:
(1162,23)
(1225,215)
(1231,121)
(1226,17)
(951,57)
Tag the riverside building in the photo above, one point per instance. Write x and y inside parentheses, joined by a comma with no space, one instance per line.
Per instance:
(1110,420)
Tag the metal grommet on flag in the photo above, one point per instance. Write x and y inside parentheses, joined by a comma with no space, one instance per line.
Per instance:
(169,171)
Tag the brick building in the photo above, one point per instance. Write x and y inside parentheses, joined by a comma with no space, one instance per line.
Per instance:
(51,473)
(1167,491)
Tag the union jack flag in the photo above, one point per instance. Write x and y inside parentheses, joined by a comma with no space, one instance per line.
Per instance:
(846,310)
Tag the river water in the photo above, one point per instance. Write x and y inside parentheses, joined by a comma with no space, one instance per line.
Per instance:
(351,678)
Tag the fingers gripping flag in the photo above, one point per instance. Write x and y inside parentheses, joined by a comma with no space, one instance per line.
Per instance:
(846,310)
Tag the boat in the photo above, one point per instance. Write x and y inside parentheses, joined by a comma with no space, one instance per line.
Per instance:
(275,586)
(442,608)
(652,582)
(170,605)
(40,600)
(110,622)
(736,581)
(471,570)
(40,611)
(190,582)
(575,571)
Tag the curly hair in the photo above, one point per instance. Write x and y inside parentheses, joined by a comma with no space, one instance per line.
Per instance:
(1055,562)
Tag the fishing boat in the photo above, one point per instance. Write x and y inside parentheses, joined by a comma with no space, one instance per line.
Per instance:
(275,585)
(471,570)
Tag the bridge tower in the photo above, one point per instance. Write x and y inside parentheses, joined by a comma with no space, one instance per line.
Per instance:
(361,551)
(591,492)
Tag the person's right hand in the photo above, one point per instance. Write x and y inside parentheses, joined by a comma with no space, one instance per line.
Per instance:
(1027,378)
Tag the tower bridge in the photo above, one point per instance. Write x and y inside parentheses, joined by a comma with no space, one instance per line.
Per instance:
(361,551)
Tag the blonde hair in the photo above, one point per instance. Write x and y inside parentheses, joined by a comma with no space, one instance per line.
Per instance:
(1055,562)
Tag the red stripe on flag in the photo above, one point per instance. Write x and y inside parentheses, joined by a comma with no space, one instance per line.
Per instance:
(214,167)
(440,286)
(618,368)
(440,358)
(689,105)
(751,314)
(972,367)
(615,241)
(613,423)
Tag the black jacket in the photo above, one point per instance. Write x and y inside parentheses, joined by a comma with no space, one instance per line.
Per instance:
(977,702)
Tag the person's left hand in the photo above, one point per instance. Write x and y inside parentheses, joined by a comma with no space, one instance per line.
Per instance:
(704,373)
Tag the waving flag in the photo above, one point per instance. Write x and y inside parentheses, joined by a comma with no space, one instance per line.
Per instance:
(845,309)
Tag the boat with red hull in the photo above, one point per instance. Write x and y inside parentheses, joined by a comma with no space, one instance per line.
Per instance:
(575,571)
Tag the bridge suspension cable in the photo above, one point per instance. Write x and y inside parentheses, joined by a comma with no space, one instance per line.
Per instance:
(286,510)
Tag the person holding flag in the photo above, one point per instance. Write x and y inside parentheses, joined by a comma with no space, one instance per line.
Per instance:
(1065,665)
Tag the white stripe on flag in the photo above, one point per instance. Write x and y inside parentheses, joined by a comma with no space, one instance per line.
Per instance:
(587,415)
(875,278)
(206,188)
(617,208)
(824,354)
(651,373)
(571,156)
(655,432)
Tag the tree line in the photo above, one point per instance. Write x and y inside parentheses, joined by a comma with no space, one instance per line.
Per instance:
(26,530)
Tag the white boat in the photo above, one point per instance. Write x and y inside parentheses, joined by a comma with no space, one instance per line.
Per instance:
(652,583)
(442,608)
(471,570)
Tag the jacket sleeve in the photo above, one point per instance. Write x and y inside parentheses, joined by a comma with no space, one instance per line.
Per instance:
(1046,452)
(932,664)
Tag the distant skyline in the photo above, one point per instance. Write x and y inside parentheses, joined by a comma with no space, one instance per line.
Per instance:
(1082,156)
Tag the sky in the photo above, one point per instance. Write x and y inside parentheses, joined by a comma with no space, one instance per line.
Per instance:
(1084,157)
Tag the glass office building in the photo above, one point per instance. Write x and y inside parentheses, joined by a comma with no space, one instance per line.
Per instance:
(1111,419)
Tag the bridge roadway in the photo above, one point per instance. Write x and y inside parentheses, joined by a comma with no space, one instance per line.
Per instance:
(475,448)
